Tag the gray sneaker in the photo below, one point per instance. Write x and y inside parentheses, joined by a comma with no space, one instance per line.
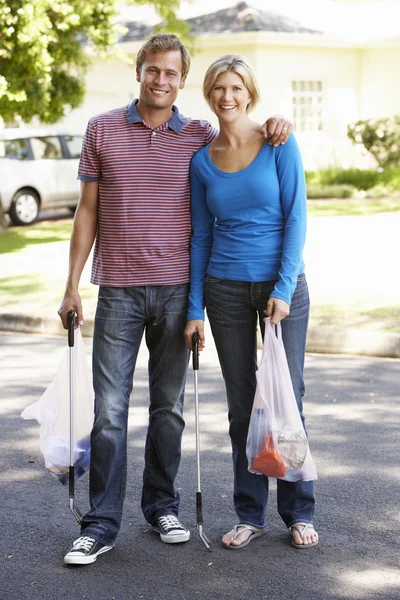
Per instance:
(84,551)
(170,529)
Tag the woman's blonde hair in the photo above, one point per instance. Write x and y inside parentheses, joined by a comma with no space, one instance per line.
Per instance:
(237,64)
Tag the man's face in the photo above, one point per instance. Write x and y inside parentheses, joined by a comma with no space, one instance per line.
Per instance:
(160,79)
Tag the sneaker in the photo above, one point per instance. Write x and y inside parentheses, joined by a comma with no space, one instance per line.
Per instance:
(170,529)
(84,551)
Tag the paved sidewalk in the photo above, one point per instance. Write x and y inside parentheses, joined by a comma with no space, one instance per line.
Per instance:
(353,417)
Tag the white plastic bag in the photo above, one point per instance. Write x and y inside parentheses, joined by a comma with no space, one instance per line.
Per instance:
(52,412)
(277,445)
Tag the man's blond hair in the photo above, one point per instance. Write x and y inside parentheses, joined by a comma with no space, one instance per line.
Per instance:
(164,42)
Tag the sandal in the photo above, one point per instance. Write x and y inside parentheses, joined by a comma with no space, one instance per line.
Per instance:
(237,530)
(305,528)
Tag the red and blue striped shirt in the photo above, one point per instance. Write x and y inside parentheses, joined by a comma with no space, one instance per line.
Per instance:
(144,225)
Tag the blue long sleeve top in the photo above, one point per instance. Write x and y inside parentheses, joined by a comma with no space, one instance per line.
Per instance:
(249,225)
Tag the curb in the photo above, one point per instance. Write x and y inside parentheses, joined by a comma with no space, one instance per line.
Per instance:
(21,323)
(353,341)
(319,340)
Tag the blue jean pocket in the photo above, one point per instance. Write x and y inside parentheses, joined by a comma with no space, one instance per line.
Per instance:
(211,279)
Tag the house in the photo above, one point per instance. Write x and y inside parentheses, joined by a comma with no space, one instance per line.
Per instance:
(322,81)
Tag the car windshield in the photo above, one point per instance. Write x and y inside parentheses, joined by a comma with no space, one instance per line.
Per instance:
(16,149)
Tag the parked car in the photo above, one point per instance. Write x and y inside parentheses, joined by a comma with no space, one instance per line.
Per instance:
(38,169)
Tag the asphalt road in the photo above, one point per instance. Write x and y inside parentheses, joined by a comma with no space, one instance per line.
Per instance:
(353,414)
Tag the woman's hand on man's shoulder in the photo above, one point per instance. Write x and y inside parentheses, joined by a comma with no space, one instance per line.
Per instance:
(276,130)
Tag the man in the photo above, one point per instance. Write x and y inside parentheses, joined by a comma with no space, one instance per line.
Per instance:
(134,203)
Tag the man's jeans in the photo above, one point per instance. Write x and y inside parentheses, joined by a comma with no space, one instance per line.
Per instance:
(122,315)
(233,308)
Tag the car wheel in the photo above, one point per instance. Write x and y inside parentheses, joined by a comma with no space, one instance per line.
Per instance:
(24,208)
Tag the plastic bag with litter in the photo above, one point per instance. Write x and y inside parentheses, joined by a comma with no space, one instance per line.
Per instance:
(52,412)
(277,445)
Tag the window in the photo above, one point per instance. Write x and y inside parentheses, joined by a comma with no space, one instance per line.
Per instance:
(16,149)
(46,148)
(308,104)
(74,145)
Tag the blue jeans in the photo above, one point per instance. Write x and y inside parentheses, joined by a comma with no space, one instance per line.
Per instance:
(122,316)
(233,308)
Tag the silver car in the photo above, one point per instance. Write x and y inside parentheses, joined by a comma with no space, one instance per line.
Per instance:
(38,169)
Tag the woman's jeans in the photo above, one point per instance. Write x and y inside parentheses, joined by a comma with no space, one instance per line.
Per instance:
(234,308)
(122,315)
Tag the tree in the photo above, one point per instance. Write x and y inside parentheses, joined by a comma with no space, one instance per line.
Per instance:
(45,49)
(381,137)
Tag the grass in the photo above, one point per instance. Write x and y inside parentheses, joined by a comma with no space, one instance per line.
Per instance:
(34,263)
(352,207)
(356,316)
(46,232)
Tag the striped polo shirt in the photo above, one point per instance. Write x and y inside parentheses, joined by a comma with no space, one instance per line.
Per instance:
(144,225)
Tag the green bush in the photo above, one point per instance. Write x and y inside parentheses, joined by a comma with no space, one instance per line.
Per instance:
(378,191)
(390,177)
(315,191)
(361,179)
(381,137)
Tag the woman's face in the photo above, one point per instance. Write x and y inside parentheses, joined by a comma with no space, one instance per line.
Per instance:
(229,96)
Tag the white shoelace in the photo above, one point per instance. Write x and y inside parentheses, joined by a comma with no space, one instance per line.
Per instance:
(84,543)
(168,522)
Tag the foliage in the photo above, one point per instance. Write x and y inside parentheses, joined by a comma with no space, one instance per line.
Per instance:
(315,190)
(361,179)
(381,137)
(390,178)
(167,10)
(45,49)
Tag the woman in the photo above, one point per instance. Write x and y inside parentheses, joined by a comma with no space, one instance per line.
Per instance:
(249,223)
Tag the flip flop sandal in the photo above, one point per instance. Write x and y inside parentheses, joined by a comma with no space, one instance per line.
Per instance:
(305,528)
(238,529)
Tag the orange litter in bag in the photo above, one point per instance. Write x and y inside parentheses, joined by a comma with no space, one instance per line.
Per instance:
(268,461)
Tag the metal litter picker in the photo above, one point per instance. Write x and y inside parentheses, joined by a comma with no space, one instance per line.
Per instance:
(71,369)
(199,502)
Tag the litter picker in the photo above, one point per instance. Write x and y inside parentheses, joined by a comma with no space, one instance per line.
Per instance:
(71,369)
(199,502)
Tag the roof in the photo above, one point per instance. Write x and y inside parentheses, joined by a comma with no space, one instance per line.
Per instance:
(235,19)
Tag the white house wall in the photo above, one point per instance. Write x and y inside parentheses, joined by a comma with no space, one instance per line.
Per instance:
(357,83)
(109,84)
(338,71)
(380,82)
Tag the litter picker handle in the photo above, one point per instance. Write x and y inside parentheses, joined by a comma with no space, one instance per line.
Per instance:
(71,327)
(71,471)
(199,502)
(199,508)
(195,350)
